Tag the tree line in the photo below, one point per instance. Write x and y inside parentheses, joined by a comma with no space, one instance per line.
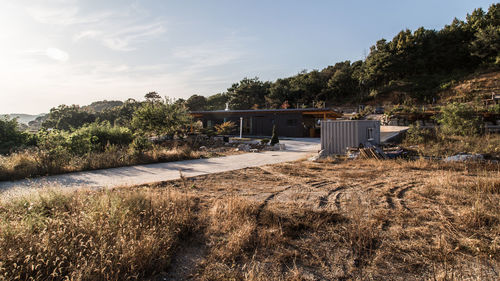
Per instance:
(414,63)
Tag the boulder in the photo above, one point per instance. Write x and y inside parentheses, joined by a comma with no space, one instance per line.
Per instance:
(243,147)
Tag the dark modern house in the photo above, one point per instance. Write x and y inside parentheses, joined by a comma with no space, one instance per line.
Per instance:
(303,122)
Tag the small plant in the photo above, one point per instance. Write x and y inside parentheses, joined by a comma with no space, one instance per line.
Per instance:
(418,135)
(274,138)
(225,128)
(264,141)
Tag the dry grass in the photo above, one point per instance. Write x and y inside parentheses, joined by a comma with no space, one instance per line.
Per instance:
(355,220)
(114,235)
(451,145)
(31,163)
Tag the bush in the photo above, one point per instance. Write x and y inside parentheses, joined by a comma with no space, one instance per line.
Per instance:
(418,135)
(140,144)
(52,153)
(95,137)
(10,135)
(459,119)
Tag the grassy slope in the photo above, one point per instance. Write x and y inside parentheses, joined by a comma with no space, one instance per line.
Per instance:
(292,221)
(475,87)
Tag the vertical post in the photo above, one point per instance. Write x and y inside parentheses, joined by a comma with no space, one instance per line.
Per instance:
(241,127)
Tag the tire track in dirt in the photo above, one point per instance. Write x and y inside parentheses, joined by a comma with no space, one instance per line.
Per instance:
(396,193)
(401,194)
(266,201)
(337,200)
(323,200)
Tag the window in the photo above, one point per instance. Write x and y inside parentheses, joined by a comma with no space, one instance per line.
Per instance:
(369,133)
(292,122)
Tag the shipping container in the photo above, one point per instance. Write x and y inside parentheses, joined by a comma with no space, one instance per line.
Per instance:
(338,135)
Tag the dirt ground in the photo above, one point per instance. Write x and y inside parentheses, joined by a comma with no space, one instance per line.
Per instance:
(352,220)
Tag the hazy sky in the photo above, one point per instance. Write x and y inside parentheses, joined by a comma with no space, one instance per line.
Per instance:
(78,51)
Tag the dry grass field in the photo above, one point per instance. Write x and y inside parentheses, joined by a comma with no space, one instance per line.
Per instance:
(352,220)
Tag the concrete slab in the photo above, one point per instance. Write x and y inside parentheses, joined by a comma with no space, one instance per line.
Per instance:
(387,133)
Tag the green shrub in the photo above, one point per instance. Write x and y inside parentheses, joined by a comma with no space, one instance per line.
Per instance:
(10,135)
(140,144)
(53,153)
(459,119)
(95,137)
(419,135)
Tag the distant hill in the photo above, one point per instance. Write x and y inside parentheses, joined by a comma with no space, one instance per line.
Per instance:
(23,118)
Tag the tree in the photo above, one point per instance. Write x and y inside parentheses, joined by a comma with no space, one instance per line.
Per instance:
(279,92)
(161,118)
(247,93)
(10,135)
(196,103)
(274,137)
(67,118)
(152,97)
(342,85)
(217,101)
(486,44)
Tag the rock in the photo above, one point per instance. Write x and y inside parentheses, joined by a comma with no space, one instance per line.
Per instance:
(243,147)
(202,148)
(282,146)
(462,157)
(321,155)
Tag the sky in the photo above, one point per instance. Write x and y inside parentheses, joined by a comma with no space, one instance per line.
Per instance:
(56,52)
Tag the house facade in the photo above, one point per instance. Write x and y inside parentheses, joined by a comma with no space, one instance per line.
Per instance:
(303,122)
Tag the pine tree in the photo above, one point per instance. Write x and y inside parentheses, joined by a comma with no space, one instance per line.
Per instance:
(274,138)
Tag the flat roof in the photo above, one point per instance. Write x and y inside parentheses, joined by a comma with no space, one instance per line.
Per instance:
(266,110)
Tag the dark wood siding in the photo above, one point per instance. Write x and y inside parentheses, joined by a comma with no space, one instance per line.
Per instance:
(288,124)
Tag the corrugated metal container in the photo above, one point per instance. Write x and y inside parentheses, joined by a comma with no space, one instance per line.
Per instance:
(337,135)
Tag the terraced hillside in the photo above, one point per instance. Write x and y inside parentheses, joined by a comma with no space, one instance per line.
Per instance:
(475,88)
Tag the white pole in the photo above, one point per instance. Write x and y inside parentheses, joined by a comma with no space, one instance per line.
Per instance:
(241,127)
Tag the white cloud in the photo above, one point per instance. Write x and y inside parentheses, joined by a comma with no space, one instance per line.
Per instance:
(57,54)
(123,38)
(119,29)
(202,56)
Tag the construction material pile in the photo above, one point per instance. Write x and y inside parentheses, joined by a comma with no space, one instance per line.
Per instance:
(371,153)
